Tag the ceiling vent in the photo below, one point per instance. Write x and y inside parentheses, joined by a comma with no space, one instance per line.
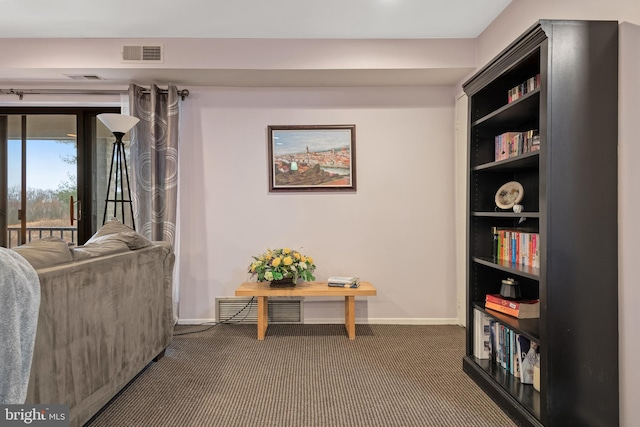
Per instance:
(140,54)
(84,77)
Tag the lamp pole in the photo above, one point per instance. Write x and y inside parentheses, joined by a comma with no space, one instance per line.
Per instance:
(119,125)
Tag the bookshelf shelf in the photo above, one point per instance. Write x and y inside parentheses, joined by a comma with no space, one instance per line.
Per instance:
(528,327)
(524,161)
(510,267)
(566,182)
(523,395)
(517,112)
(507,214)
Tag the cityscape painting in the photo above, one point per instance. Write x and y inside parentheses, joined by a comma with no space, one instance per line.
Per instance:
(312,158)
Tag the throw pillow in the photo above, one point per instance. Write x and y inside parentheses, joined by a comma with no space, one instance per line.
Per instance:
(133,239)
(45,252)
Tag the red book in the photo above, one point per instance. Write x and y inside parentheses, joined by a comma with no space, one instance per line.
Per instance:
(522,309)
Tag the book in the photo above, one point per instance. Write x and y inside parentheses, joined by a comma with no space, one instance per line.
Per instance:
(528,356)
(535,313)
(512,144)
(482,335)
(515,246)
(345,285)
(343,279)
(344,282)
(523,88)
(493,339)
(477,326)
(516,358)
(516,304)
(485,346)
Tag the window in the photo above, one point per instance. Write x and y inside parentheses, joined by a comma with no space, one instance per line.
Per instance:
(54,165)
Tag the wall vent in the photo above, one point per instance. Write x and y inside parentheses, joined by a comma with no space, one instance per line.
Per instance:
(142,54)
(281,310)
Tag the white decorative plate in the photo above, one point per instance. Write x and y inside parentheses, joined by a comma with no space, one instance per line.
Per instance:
(509,194)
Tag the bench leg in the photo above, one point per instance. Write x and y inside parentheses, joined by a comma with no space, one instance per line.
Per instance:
(263,317)
(350,316)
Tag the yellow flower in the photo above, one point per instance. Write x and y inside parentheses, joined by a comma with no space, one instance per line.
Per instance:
(282,262)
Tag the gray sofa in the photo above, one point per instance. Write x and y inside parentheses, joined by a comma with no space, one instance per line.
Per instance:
(101,321)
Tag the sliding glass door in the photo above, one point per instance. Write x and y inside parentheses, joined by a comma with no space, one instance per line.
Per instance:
(52,164)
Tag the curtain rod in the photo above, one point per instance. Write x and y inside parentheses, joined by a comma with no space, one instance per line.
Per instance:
(20,93)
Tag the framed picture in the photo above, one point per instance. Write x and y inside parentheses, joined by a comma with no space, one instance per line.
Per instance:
(312,158)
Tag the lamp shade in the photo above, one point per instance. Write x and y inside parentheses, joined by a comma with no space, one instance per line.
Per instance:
(118,122)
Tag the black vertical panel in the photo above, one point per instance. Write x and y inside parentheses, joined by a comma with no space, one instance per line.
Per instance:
(4,171)
(581,239)
(23,186)
(85,150)
(545,383)
(86,139)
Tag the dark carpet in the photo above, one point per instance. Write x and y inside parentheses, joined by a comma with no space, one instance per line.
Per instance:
(307,375)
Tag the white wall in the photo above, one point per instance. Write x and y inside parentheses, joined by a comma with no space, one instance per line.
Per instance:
(396,231)
(461,152)
(509,25)
(629,234)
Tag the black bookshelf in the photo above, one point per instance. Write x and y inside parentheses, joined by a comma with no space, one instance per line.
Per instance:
(527,327)
(524,400)
(570,202)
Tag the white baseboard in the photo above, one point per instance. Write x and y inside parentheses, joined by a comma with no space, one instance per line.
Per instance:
(195,321)
(389,321)
(378,321)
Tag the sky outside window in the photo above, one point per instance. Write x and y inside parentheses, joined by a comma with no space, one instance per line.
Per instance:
(46,166)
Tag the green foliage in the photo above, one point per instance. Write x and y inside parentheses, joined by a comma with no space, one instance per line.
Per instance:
(278,264)
(41,204)
(66,189)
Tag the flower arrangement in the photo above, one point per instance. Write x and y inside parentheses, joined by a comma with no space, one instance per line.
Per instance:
(278,264)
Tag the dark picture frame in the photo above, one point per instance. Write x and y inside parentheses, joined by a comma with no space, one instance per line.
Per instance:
(312,158)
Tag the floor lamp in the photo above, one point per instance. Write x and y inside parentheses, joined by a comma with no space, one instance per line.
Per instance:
(119,124)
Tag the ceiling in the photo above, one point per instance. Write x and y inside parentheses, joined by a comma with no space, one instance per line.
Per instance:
(248,18)
(243,19)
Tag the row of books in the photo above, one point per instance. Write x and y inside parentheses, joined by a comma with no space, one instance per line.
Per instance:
(512,144)
(517,247)
(344,282)
(513,352)
(523,88)
(519,308)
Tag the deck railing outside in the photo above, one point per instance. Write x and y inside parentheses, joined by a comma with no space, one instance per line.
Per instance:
(68,234)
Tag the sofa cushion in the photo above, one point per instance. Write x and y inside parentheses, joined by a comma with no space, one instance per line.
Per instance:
(103,245)
(45,252)
(133,239)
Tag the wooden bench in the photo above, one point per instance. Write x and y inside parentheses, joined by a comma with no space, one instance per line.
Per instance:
(263,291)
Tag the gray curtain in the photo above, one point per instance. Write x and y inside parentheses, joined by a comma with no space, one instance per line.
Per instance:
(154,160)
